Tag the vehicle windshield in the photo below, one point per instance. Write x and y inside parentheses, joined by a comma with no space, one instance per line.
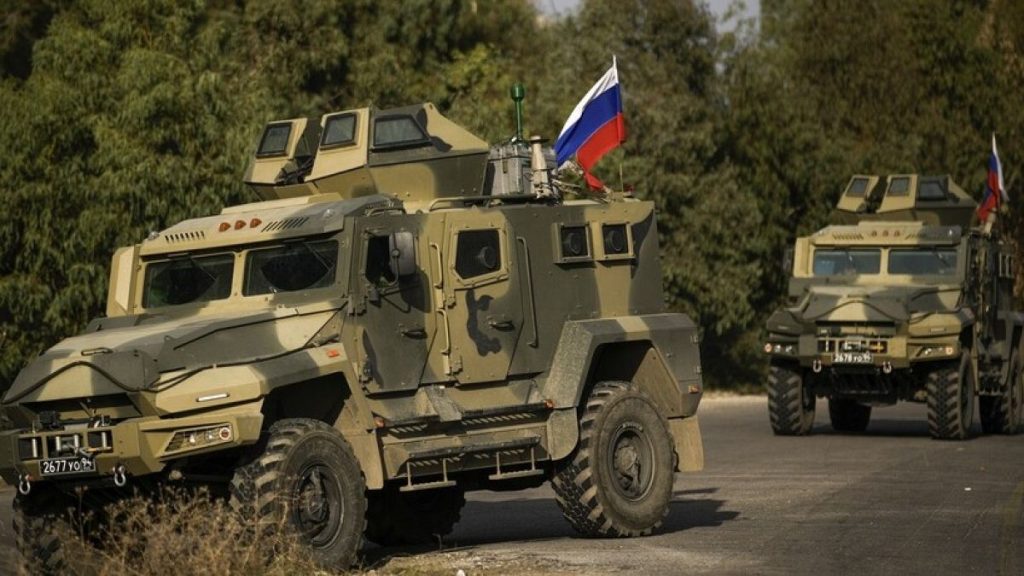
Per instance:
(842,262)
(928,261)
(298,266)
(187,279)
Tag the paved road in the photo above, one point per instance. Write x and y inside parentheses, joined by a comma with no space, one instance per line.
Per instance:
(890,501)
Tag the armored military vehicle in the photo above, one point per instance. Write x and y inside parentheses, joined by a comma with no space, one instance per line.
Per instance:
(899,299)
(406,315)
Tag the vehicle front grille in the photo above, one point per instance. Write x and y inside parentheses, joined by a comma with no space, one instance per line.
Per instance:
(64,443)
(873,345)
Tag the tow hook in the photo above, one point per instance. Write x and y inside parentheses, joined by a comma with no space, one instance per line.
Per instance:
(120,476)
(887,367)
(24,484)
(816,366)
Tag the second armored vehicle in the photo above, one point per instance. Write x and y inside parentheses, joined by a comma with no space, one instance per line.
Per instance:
(899,299)
(407,315)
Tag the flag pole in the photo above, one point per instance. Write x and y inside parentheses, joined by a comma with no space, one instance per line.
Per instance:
(622,181)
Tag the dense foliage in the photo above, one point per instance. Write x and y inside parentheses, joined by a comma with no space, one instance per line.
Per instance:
(124,116)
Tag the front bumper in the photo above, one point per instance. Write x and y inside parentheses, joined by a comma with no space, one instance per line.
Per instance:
(142,446)
(887,353)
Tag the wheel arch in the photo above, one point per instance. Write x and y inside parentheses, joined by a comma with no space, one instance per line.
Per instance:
(658,352)
(329,399)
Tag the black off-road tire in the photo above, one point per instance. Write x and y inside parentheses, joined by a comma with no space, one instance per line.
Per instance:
(618,481)
(35,518)
(848,415)
(307,482)
(790,401)
(1003,414)
(395,518)
(950,391)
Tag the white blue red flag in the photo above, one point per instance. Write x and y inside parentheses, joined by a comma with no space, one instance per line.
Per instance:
(595,126)
(995,192)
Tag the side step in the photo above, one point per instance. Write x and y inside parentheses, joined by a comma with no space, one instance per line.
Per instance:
(455,452)
(512,475)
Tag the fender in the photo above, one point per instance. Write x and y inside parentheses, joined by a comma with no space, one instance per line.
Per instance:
(673,347)
(657,352)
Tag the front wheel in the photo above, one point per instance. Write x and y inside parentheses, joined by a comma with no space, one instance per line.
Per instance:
(308,482)
(950,391)
(618,482)
(790,401)
(1003,414)
(36,517)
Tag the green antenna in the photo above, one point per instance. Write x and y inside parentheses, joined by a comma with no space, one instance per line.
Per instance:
(518,92)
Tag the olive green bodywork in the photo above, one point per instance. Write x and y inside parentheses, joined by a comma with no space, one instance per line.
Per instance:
(899,284)
(462,312)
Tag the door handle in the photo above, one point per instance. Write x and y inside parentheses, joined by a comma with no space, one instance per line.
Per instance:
(500,323)
(413,331)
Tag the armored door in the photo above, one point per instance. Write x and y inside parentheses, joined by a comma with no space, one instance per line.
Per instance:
(481,297)
(396,323)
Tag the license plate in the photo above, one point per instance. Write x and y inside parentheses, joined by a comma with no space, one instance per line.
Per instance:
(852,358)
(61,466)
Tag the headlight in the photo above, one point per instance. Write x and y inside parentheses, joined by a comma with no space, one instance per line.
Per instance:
(937,351)
(771,348)
(199,438)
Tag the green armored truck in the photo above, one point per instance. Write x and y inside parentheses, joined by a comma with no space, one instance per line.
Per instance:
(901,298)
(407,314)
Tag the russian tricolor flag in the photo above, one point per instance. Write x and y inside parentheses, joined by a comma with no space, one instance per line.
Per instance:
(595,127)
(995,192)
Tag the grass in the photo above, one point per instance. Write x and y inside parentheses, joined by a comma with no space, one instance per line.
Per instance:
(186,533)
(177,533)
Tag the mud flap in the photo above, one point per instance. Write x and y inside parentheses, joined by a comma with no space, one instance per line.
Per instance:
(689,445)
(367,450)
(563,433)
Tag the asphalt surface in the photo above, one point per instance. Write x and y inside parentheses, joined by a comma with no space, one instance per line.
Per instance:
(888,501)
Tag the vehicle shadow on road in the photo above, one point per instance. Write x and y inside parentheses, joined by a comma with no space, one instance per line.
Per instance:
(538,520)
(900,428)
(692,509)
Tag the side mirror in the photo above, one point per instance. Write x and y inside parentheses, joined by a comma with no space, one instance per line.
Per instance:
(787,262)
(402,249)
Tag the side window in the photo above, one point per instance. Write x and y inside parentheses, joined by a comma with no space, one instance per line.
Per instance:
(298,266)
(477,252)
(378,262)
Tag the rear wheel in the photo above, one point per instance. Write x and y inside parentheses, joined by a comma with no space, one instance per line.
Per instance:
(950,390)
(848,415)
(394,517)
(1002,414)
(618,482)
(790,401)
(307,481)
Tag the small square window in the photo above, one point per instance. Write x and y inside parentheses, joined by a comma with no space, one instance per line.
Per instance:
(931,190)
(478,252)
(899,187)
(397,131)
(616,239)
(574,243)
(275,140)
(339,130)
(857,188)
